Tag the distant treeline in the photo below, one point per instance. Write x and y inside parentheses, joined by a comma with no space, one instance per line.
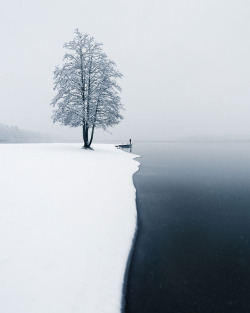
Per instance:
(14,134)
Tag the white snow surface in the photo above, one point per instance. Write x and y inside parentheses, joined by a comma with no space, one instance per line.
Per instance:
(67,221)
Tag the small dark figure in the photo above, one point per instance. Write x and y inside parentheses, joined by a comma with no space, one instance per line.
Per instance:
(130,142)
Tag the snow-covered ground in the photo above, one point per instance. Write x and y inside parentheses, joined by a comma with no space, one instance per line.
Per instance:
(67,219)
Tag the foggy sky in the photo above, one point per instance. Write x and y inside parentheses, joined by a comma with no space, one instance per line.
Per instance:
(186,63)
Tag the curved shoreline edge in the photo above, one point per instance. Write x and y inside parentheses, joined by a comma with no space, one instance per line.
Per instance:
(131,252)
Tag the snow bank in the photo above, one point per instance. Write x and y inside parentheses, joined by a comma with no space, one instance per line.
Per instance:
(67,220)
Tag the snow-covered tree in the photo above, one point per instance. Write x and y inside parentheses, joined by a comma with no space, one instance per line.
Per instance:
(87,88)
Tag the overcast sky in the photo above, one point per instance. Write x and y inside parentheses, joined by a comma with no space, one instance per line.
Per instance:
(186,63)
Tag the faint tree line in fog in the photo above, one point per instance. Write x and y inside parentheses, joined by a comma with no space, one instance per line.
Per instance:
(14,134)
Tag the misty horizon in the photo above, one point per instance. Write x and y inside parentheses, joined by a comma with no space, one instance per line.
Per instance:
(185,65)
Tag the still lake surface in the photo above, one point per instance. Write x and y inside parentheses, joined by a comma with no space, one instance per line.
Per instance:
(192,252)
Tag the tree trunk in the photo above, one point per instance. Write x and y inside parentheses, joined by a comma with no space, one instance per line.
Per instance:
(92,135)
(86,143)
(93,127)
(85,136)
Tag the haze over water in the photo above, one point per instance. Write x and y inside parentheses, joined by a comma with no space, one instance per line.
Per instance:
(192,252)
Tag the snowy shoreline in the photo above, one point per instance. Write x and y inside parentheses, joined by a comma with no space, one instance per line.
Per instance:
(131,251)
(68,219)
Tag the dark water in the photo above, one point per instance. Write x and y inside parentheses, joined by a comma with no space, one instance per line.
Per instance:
(192,253)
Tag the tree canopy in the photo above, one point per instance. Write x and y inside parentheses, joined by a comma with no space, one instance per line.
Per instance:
(87,89)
